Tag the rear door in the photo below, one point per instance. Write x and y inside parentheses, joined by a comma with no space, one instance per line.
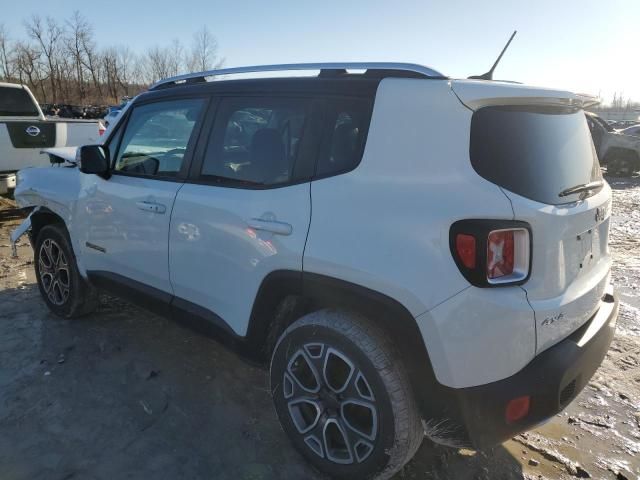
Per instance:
(125,219)
(246,209)
(535,153)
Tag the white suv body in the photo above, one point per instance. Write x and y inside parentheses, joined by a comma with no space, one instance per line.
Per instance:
(393,195)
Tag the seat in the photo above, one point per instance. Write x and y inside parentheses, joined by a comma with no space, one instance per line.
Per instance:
(344,146)
(267,156)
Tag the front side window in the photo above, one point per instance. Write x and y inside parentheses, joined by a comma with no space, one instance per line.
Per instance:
(156,137)
(255,141)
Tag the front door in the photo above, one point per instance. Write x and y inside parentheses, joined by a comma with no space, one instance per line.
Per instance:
(126,217)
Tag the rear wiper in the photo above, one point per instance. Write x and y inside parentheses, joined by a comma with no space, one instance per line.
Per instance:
(583,187)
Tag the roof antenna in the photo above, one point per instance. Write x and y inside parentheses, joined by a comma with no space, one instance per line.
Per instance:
(489,74)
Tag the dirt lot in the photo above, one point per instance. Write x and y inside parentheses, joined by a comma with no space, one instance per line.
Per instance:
(126,394)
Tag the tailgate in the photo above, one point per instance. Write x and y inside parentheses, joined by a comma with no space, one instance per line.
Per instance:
(20,149)
(32,134)
(570,262)
(535,145)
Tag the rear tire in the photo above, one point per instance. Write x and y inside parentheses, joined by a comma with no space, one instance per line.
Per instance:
(65,292)
(343,396)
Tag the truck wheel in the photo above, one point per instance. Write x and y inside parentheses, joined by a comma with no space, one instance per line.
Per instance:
(343,397)
(64,290)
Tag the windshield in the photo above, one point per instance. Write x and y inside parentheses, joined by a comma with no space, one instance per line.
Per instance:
(16,102)
(536,152)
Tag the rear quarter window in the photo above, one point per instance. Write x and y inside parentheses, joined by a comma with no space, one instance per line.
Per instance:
(535,152)
(345,133)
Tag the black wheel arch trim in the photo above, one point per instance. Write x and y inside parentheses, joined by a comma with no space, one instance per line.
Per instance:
(42,217)
(318,291)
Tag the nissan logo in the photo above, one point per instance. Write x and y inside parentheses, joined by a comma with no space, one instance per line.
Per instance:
(33,131)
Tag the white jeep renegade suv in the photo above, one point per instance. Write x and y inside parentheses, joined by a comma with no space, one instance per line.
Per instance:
(412,254)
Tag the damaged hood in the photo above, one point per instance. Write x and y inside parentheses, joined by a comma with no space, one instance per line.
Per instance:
(54,187)
(61,154)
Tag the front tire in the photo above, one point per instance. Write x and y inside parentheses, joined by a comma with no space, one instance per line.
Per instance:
(343,397)
(65,292)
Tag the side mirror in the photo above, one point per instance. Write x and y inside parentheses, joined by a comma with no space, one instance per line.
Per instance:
(94,159)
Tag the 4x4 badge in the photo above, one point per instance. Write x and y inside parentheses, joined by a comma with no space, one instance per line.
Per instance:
(33,131)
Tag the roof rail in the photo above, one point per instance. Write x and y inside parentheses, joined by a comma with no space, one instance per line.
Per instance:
(323,67)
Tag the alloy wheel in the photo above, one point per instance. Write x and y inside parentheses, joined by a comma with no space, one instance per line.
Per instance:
(331,404)
(54,272)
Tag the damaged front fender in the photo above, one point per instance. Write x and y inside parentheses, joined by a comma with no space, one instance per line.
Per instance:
(19,232)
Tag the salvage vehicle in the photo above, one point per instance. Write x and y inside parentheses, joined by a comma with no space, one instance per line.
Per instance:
(633,130)
(618,150)
(409,254)
(112,115)
(25,131)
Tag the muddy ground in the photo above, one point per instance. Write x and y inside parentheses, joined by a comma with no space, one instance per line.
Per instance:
(126,394)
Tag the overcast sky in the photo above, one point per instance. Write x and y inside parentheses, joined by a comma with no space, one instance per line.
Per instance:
(586,46)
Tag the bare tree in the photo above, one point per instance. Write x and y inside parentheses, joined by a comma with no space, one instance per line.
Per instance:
(175,58)
(111,71)
(204,51)
(27,61)
(91,60)
(157,64)
(48,36)
(62,63)
(7,56)
(128,71)
(78,35)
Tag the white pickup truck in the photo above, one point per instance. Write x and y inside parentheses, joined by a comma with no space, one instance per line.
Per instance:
(25,132)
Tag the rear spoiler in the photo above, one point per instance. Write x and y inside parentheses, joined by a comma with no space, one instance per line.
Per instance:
(588,100)
(476,94)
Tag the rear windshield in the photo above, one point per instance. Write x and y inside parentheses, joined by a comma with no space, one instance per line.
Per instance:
(536,152)
(16,102)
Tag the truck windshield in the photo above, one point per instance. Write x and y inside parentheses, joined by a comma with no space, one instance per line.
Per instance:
(16,102)
(536,152)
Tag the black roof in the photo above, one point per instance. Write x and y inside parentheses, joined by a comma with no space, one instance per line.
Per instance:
(349,85)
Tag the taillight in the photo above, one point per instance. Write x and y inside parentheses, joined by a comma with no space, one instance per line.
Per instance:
(500,254)
(492,252)
(101,129)
(466,249)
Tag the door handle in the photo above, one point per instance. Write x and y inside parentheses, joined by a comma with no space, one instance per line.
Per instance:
(151,207)
(273,226)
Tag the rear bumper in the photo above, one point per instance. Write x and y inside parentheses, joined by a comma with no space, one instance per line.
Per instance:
(552,380)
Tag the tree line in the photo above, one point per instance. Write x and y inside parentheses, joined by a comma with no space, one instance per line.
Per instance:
(62,63)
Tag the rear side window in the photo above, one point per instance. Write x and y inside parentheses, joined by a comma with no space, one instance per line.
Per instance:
(535,152)
(346,128)
(256,141)
(16,102)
